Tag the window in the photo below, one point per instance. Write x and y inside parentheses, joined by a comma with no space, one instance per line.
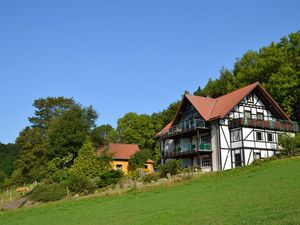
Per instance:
(205,139)
(236,135)
(205,161)
(249,98)
(146,166)
(247,114)
(258,136)
(260,116)
(119,167)
(270,137)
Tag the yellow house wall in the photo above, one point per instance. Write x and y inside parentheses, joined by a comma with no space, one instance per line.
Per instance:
(124,166)
(150,168)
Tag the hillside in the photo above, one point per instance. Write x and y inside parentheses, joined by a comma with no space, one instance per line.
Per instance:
(265,194)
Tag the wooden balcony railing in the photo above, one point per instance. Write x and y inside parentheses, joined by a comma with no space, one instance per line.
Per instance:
(282,125)
(185,127)
(184,150)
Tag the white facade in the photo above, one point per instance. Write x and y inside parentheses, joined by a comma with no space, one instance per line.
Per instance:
(221,144)
(242,145)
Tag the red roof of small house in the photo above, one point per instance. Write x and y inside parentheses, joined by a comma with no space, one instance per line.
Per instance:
(123,151)
(149,161)
(216,108)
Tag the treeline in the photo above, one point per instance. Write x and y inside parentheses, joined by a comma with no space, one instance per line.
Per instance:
(276,67)
(61,126)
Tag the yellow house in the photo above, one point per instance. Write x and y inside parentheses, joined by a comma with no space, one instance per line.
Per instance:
(122,153)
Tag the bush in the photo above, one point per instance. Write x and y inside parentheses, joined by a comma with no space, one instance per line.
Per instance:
(79,183)
(150,177)
(172,167)
(288,145)
(47,193)
(59,176)
(110,177)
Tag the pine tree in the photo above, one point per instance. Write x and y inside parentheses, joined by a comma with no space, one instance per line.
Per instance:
(87,163)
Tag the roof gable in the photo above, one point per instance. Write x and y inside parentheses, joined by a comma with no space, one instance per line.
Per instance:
(215,108)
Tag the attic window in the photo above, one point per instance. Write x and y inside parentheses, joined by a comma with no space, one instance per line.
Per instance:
(249,98)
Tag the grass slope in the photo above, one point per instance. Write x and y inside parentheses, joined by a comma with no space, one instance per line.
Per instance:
(267,194)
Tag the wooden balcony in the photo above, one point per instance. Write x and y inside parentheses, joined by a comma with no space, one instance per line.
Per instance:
(186,150)
(282,125)
(185,127)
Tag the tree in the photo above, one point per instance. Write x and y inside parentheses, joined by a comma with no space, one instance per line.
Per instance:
(8,156)
(138,159)
(50,108)
(136,129)
(59,128)
(276,67)
(87,163)
(101,135)
(67,133)
(32,161)
(287,144)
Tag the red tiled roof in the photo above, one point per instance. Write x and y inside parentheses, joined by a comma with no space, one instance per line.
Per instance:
(225,103)
(165,129)
(214,108)
(123,151)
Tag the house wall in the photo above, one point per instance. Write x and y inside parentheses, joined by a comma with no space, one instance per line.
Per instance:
(215,146)
(248,146)
(150,168)
(121,162)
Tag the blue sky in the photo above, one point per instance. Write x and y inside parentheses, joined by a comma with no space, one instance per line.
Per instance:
(123,56)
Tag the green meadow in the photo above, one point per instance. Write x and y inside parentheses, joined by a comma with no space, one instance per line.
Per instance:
(264,194)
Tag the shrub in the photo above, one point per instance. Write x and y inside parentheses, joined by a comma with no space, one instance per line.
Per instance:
(59,176)
(47,193)
(79,183)
(138,160)
(172,167)
(288,145)
(150,177)
(110,177)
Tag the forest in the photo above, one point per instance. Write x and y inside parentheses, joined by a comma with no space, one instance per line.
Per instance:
(63,133)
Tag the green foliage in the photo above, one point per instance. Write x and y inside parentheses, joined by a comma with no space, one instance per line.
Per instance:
(59,176)
(59,128)
(287,144)
(47,193)
(276,67)
(137,129)
(110,177)
(32,161)
(79,183)
(138,160)
(150,177)
(49,108)
(87,163)
(67,133)
(172,167)
(101,135)
(105,159)
(8,155)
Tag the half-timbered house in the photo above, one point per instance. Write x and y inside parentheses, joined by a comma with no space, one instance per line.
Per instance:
(225,132)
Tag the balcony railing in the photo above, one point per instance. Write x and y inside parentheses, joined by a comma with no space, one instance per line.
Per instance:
(186,149)
(185,127)
(283,125)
